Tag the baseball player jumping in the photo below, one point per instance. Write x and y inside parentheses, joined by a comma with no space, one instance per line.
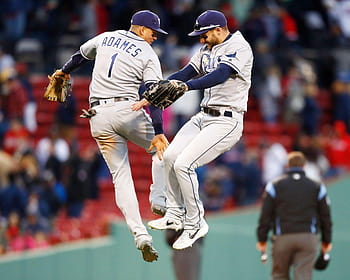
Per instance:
(225,64)
(123,60)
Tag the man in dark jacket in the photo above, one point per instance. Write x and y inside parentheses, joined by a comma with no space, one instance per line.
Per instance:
(297,208)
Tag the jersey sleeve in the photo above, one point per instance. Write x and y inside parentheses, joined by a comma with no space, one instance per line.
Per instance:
(152,72)
(237,57)
(88,49)
(195,61)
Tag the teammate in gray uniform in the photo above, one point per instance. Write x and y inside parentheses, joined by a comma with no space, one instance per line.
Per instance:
(225,64)
(123,60)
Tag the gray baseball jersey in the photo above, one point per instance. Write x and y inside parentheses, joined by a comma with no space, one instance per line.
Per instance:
(207,135)
(122,61)
(236,53)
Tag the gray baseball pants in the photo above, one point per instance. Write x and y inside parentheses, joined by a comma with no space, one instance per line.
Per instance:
(297,250)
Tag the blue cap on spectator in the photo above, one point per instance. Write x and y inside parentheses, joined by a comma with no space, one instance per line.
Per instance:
(148,19)
(207,21)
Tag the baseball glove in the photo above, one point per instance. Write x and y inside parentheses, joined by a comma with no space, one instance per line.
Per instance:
(164,93)
(58,87)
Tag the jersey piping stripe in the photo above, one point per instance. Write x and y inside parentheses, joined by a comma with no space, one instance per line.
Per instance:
(131,37)
(189,174)
(231,65)
(85,55)
(195,67)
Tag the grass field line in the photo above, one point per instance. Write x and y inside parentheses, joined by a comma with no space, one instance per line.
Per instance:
(249,230)
(245,230)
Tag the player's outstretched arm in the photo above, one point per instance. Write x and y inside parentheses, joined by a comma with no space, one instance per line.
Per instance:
(140,104)
(160,142)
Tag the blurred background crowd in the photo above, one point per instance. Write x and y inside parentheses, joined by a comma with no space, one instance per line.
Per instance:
(52,178)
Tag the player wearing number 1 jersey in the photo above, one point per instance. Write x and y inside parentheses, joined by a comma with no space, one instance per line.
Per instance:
(123,61)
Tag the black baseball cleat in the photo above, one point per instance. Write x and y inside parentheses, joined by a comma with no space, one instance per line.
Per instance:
(149,253)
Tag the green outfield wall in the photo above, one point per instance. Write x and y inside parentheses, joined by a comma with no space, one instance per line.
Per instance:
(228,252)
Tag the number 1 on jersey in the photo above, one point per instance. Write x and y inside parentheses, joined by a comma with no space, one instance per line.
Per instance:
(111,65)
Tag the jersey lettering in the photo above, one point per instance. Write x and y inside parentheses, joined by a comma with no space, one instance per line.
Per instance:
(124,45)
(111,65)
(110,41)
(209,63)
(117,42)
(121,44)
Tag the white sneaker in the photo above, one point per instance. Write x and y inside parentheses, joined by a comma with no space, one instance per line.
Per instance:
(189,236)
(166,223)
(149,254)
(158,209)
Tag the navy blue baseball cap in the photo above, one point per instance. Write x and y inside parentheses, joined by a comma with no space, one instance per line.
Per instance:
(208,20)
(148,19)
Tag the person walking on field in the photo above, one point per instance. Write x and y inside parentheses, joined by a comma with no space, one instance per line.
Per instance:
(297,209)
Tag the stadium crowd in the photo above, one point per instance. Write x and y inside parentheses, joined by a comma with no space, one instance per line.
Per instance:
(301,58)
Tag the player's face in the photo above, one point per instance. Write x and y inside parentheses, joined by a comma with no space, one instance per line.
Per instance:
(209,38)
(149,35)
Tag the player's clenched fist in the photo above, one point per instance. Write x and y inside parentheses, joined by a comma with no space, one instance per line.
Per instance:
(160,142)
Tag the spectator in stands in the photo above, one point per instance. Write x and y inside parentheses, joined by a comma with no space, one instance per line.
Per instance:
(92,161)
(13,198)
(66,119)
(7,62)
(13,15)
(341,97)
(94,18)
(268,92)
(337,149)
(28,169)
(217,188)
(274,160)
(289,26)
(13,229)
(53,194)
(16,138)
(8,165)
(240,9)
(232,23)
(77,184)
(273,25)
(292,87)
(339,13)
(247,179)
(29,116)
(52,152)
(169,55)
(311,112)
(317,164)
(41,240)
(34,223)
(213,196)
(14,96)
(253,28)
